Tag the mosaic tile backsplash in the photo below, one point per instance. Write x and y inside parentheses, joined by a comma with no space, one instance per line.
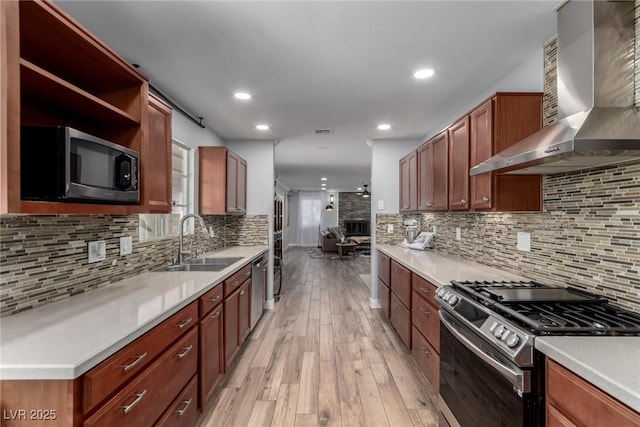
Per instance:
(44,258)
(587,237)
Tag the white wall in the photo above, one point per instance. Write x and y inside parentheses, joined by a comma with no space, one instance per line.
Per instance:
(526,77)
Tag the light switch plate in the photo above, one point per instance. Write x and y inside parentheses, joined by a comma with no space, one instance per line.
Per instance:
(126,245)
(380,204)
(97,251)
(524,241)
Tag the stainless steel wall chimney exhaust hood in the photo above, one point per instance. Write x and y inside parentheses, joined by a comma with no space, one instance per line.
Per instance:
(598,123)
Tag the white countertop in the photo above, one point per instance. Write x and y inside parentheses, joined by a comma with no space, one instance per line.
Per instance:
(65,339)
(610,363)
(440,269)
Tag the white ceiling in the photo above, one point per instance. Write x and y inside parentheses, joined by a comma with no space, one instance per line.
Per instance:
(341,65)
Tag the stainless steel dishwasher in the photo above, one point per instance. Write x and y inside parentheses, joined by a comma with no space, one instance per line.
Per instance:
(258,276)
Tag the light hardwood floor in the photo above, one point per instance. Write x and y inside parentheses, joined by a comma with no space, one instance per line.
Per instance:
(322,357)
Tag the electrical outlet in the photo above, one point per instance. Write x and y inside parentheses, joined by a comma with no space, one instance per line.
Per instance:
(389,228)
(126,245)
(458,233)
(524,241)
(212,234)
(434,230)
(97,251)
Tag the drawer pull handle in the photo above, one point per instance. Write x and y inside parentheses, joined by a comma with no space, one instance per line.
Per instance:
(185,352)
(139,397)
(216,314)
(236,283)
(247,273)
(186,404)
(215,298)
(425,311)
(184,323)
(424,349)
(133,364)
(242,292)
(425,290)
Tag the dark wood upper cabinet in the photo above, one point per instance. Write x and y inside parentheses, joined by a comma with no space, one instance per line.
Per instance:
(497,124)
(459,165)
(409,183)
(157,169)
(433,174)
(222,181)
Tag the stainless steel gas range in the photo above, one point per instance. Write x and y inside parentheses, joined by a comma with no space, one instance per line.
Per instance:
(490,373)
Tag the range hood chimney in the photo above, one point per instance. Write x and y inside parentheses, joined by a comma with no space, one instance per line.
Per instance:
(598,124)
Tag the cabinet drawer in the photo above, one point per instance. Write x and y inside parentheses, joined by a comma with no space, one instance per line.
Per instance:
(427,358)
(149,395)
(401,320)
(237,279)
(111,374)
(210,299)
(384,268)
(425,318)
(401,283)
(584,404)
(183,411)
(385,298)
(425,288)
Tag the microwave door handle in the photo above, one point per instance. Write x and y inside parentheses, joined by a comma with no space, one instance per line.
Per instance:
(515,376)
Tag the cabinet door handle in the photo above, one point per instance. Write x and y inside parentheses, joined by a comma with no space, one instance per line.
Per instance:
(185,352)
(242,292)
(135,363)
(215,298)
(485,199)
(216,314)
(139,396)
(425,350)
(424,311)
(463,201)
(186,404)
(405,207)
(184,323)
(425,290)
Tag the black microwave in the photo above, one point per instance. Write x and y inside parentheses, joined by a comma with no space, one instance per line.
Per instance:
(64,164)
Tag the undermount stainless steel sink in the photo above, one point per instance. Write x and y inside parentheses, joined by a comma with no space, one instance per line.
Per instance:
(215,260)
(203,264)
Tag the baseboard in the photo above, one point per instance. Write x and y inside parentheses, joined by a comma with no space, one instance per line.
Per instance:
(374,303)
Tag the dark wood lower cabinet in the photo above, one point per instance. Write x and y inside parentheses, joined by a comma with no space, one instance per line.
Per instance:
(146,398)
(401,319)
(183,411)
(426,357)
(211,353)
(244,312)
(237,321)
(385,298)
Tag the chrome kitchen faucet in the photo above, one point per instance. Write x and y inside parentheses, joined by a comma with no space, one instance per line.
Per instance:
(181,251)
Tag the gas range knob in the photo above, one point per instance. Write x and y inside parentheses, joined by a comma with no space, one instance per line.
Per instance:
(513,341)
(446,295)
(452,299)
(497,332)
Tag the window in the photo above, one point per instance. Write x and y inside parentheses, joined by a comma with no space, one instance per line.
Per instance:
(160,226)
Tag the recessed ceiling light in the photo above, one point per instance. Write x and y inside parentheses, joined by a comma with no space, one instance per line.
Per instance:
(324,185)
(262,127)
(324,178)
(384,126)
(424,73)
(242,95)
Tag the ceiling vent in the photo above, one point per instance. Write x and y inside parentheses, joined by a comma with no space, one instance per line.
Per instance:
(326,132)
